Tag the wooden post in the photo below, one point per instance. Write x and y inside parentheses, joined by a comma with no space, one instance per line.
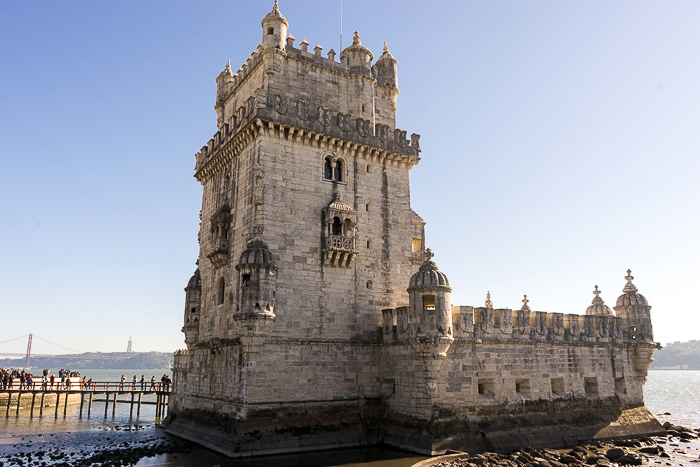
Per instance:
(9,399)
(131,409)
(19,396)
(114,407)
(138,408)
(65,404)
(31,410)
(58,401)
(90,405)
(157,405)
(106,402)
(165,404)
(41,409)
(82,401)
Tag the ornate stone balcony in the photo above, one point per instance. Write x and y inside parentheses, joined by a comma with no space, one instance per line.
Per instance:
(219,254)
(340,251)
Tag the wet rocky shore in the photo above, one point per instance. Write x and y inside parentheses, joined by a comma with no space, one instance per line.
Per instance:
(121,445)
(126,445)
(673,449)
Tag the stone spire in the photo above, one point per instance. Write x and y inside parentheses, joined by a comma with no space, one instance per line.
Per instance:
(488,303)
(525,304)
(629,287)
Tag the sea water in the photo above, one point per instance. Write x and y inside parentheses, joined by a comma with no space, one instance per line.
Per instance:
(673,392)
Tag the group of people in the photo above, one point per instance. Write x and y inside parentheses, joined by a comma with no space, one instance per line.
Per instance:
(135,383)
(9,377)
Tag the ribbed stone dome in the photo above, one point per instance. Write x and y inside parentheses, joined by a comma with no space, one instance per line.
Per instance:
(256,253)
(598,307)
(631,296)
(275,14)
(195,281)
(428,275)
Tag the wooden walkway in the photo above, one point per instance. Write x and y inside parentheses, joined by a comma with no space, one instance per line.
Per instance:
(102,392)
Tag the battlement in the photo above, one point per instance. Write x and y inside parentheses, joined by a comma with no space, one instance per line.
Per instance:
(480,323)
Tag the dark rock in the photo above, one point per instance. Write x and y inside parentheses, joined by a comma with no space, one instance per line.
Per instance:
(650,449)
(629,459)
(614,453)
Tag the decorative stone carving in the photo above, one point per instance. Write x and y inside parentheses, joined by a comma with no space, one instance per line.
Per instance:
(343,121)
(279,104)
(400,138)
(363,128)
(382,132)
(302,109)
(324,115)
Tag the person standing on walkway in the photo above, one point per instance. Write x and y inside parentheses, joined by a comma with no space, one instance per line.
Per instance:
(121,383)
(153,383)
(143,383)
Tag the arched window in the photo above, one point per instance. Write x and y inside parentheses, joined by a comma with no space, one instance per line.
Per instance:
(337,227)
(327,169)
(338,171)
(220,289)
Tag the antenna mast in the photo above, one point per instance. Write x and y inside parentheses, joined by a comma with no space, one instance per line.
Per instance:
(341,26)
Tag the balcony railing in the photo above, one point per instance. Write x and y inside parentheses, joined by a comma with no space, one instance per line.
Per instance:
(340,243)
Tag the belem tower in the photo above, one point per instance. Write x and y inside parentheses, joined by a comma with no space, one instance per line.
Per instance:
(317,318)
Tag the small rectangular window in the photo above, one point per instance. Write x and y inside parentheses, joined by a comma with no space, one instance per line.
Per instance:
(590,386)
(522,389)
(486,388)
(558,390)
(429,302)
(417,244)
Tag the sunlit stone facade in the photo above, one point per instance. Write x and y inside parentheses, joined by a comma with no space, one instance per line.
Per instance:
(317,319)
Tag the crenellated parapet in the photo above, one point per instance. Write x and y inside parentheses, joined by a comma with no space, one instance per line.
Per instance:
(481,324)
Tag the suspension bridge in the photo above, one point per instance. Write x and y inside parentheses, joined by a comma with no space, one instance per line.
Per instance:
(32,345)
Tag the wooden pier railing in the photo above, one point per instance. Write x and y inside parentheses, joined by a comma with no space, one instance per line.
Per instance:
(111,390)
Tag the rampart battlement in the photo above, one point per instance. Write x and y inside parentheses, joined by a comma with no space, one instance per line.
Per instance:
(473,323)
(300,118)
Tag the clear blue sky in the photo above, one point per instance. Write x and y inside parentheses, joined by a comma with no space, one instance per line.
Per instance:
(561,145)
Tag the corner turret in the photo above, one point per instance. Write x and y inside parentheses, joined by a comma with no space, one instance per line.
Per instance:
(430,301)
(193,304)
(634,310)
(357,56)
(223,87)
(274,27)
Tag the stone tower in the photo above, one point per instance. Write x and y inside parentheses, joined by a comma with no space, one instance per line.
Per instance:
(306,233)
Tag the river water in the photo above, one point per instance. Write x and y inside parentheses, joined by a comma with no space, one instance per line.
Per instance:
(675,392)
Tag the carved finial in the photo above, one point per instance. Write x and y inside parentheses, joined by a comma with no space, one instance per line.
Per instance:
(525,303)
(428,254)
(276,7)
(629,287)
(489,304)
(386,49)
(228,66)
(597,300)
(356,38)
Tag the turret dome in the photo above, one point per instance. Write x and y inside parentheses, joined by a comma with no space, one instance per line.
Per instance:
(276,15)
(428,276)
(195,281)
(631,297)
(598,307)
(257,254)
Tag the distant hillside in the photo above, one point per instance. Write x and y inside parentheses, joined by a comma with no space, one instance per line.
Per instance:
(97,361)
(678,355)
